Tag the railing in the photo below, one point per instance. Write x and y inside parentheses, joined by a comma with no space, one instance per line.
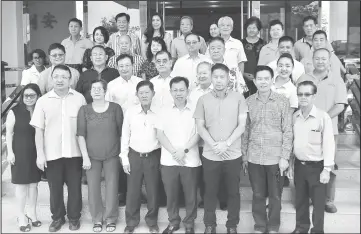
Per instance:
(355,105)
(5,107)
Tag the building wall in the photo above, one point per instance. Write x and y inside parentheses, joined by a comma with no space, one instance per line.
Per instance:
(338,20)
(41,35)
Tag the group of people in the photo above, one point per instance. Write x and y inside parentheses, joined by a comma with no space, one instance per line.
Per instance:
(172,114)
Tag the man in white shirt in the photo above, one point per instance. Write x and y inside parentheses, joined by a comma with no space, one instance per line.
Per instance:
(163,63)
(234,47)
(217,51)
(285,45)
(122,89)
(176,131)
(140,154)
(186,66)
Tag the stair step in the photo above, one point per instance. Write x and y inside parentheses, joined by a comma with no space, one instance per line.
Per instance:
(347,152)
(345,221)
(348,138)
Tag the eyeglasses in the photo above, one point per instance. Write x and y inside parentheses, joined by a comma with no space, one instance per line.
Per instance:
(304,94)
(191,42)
(30,96)
(57,55)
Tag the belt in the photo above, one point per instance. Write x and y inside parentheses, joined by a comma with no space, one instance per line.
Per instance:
(309,162)
(145,155)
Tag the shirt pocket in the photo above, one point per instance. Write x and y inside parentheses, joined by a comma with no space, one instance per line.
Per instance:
(314,138)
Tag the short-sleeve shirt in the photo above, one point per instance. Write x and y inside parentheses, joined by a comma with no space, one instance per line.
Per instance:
(288,90)
(123,92)
(268,53)
(102,131)
(84,84)
(221,119)
(179,127)
(331,90)
(303,49)
(31,75)
(335,63)
(114,43)
(179,48)
(297,72)
(46,81)
(137,63)
(162,97)
(58,118)
(75,51)
(87,63)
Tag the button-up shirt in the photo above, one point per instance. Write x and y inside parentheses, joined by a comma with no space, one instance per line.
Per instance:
(331,90)
(268,135)
(179,48)
(198,92)
(236,80)
(314,140)
(288,90)
(268,53)
(186,66)
(114,43)
(31,75)
(58,118)
(335,64)
(137,63)
(297,72)
(86,78)
(303,49)
(162,97)
(46,81)
(75,51)
(179,127)
(123,91)
(139,132)
(221,119)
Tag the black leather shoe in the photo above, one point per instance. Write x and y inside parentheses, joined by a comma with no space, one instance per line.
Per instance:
(190,230)
(170,229)
(74,225)
(286,182)
(210,230)
(223,205)
(56,225)
(296,231)
(128,229)
(201,204)
(232,230)
(154,229)
(330,208)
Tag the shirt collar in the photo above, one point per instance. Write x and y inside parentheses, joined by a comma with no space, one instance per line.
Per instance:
(306,42)
(188,105)
(52,93)
(312,113)
(215,93)
(118,33)
(80,38)
(188,56)
(140,109)
(33,69)
(271,96)
(199,88)
(284,85)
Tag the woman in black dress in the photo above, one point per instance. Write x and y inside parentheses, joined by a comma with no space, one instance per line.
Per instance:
(20,138)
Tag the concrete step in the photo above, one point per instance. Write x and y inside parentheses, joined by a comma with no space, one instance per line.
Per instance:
(347,152)
(349,138)
(345,221)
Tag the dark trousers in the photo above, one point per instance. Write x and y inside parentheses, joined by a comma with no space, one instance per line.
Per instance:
(68,171)
(307,183)
(200,177)
(266,181)
(122,182)
(212,174)
(173,177)
(111,174)
(147,168)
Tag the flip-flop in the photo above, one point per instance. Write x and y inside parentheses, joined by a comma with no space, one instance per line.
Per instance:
(36,223)
(96,226)
(111,225)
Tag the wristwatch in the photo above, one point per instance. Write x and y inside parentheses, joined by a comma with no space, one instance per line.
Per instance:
(327,169)
(186,151)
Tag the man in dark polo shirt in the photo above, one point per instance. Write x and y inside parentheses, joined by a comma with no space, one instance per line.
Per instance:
(98,71)
(221,117)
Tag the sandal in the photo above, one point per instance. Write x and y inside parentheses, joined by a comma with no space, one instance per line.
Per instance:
(110,227)
(97,227)
(37,223)
(26,228)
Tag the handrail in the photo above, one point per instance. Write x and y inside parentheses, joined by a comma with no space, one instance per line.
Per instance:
(355,106)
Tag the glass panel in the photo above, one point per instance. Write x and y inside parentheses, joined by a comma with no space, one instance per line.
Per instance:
(353,36)
(271,10)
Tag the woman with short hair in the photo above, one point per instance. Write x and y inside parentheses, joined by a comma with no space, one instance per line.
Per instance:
(32,75)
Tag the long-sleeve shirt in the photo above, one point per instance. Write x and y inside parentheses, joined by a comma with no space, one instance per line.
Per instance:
(314,140)
(268,135)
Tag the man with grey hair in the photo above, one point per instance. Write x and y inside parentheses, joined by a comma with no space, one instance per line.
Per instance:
(178,47)
(234,47)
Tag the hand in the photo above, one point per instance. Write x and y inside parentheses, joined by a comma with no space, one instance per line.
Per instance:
(126,168)
(245,167)
(11,158)
(283,164)
(290,172)
(179,156)
(324,177)
(221,147)
(41,162)
(86,164)
(225,156)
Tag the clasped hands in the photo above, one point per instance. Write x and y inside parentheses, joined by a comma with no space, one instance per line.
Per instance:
(220,148)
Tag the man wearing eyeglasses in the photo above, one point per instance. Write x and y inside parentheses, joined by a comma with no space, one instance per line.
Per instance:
(57,57)
(186,66)
(332,98)
(314,149)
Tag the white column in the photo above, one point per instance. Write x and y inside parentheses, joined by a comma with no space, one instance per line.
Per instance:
(12,40)
(338,20)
